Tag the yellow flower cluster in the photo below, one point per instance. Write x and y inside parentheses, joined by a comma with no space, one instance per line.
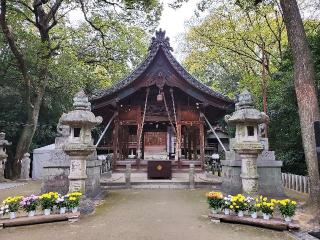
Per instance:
(49,195)
(285,202)
(217,195)
(74,196)
(10,200)
(238,202)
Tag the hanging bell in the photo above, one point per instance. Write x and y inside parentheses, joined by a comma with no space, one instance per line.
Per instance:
(159,97)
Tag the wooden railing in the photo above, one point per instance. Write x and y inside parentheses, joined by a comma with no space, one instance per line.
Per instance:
(296,182)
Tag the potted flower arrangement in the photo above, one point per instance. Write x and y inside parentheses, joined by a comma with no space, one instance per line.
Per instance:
(287,208)
(267,208)
(13,204)
(73,201)
(4,209)
(226,205)
(239,204)
(215,201)
(29,204)
(254,207)
(61,204)
(47,201)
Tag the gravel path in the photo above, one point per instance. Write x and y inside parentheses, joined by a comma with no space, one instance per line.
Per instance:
(145,215)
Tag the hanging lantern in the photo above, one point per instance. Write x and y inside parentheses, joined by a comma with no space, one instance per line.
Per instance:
(159,96)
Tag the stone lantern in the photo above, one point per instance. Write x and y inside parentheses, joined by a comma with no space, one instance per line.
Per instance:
(247,144)
(3,156)
(79,144)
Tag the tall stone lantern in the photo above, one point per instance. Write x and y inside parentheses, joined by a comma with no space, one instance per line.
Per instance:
(3,156)
(247,144)
(79,144)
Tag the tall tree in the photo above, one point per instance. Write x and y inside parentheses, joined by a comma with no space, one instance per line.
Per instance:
(304,80)
(44,20)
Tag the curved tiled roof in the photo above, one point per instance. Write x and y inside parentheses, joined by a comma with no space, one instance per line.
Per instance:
(157,42)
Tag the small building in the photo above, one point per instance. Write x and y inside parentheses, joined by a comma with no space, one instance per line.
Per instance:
(155,112)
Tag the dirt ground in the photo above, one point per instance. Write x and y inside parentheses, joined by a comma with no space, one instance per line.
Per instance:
(142,215)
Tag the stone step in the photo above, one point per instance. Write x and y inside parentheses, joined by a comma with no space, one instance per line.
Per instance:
(159,185)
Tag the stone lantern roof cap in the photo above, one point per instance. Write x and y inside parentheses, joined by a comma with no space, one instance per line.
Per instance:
(3,141)
(81,115)
(245,111)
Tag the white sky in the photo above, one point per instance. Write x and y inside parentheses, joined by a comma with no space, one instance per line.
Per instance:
(173,20)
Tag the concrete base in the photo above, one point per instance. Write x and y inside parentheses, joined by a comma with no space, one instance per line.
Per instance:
(269,172)
(55,174)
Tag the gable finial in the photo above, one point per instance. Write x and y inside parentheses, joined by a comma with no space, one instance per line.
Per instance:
(160,40)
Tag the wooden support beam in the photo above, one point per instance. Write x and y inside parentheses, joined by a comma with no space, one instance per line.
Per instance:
(178,144)
(115,143)
(201,126)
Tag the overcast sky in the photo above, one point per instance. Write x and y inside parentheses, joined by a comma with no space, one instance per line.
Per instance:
(173,20)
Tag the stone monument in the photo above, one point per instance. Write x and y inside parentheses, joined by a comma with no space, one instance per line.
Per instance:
(3,156)
(25,167)
(79,145)
(249,165)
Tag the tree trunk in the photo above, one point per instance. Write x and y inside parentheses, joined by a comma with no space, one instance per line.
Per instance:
(304,81)
(26,136)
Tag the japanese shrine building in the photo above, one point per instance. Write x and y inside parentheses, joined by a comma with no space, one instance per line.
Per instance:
(159,112)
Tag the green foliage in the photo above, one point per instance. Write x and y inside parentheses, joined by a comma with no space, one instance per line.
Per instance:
(108,41)
(224,52)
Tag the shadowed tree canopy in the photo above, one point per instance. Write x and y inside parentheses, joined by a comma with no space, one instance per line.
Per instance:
(47,55)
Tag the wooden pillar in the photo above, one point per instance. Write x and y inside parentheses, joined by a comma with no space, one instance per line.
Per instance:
(189,143)
(115,143)
(178,144)
(202,135)
(185,143)
(139,139)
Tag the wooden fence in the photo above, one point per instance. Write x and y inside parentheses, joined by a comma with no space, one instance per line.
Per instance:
(296,182)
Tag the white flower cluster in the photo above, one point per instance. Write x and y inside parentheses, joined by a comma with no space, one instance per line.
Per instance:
(4,209)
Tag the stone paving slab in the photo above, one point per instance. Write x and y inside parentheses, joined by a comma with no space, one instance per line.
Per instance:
(7,185)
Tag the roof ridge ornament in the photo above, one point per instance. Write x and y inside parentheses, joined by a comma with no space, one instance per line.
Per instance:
(160,40)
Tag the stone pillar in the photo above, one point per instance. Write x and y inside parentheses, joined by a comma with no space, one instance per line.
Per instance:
(3,156)
(249,172)
(191,176)
(78,175)
(25,167)
(127,175)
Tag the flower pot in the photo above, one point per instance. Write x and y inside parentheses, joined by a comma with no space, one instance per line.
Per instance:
(74,210)
(254,215)
(266,216)
(12,215)
(240,214)
(63,210)
(226,211)
(31,213)
(287,218)
(214,211)
(47,211)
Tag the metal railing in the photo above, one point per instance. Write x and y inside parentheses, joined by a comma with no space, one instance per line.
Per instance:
(296,182)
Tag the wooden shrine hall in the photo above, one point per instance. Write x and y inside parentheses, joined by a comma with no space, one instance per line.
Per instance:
(158,112)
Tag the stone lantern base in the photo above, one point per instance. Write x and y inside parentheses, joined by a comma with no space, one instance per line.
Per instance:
(269,172)
(56,171)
